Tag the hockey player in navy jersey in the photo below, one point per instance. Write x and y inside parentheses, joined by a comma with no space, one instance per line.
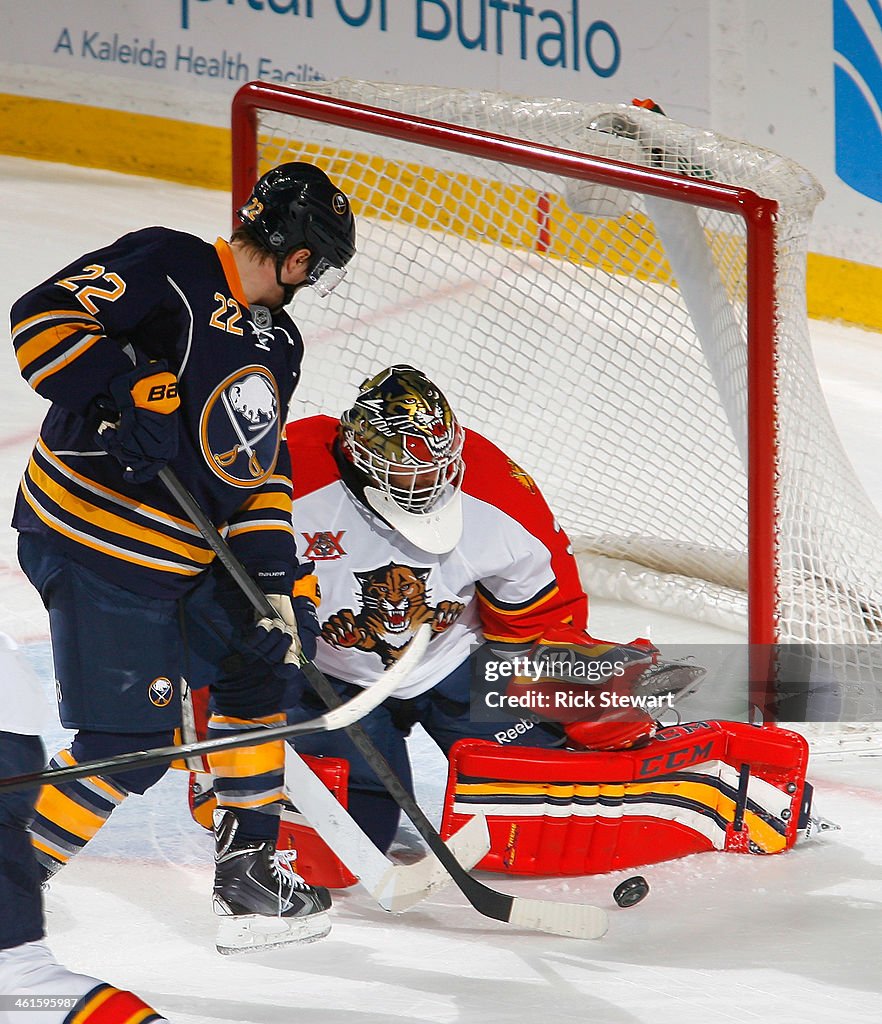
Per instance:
(409,518)
(164,350)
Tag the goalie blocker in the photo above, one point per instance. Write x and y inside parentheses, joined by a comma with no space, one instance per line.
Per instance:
(696,787)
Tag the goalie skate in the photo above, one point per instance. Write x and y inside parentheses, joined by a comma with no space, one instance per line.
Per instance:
(261,902)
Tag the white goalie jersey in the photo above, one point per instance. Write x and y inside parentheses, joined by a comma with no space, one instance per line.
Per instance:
(512,575)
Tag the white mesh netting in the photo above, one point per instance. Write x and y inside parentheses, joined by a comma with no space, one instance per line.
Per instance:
(600,336)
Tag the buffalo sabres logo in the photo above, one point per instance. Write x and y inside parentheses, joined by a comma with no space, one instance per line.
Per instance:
(240,428)
(160,692)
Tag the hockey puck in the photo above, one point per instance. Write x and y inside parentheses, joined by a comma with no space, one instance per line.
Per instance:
(630,892)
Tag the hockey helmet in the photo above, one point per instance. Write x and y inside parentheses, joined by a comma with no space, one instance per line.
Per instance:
(295,206)
(402,437)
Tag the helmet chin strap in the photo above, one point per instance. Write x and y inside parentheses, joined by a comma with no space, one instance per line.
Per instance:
(288,290)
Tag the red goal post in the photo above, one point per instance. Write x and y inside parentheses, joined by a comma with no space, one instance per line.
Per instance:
(634,289)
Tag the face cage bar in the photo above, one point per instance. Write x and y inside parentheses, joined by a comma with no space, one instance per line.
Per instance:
(406,484)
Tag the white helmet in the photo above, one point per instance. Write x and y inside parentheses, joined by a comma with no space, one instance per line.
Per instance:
(402,436)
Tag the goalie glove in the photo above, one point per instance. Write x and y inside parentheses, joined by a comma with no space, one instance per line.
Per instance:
(589,686)
(658,685)
(615,730)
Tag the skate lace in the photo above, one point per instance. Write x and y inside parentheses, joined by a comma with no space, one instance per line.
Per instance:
(284,861)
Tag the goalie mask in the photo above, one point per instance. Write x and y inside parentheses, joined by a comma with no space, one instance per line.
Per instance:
(297,206)
(406,445)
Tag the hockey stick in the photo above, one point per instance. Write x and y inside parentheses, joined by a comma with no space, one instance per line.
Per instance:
(573,919)
(341,717)
(578,920)
(394,886)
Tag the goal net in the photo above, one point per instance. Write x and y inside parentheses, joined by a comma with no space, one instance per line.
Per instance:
(618,300)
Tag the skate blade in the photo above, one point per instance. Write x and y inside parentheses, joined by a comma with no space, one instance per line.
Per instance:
(254,932)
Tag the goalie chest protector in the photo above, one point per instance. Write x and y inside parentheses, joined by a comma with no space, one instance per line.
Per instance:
(695,787)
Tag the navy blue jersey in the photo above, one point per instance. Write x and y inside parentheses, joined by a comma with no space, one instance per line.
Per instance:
(158,294)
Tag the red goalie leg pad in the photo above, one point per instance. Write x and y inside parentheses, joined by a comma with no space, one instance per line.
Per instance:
(316,862)
(693,788)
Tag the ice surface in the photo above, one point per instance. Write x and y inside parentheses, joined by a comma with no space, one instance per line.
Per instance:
(720,939)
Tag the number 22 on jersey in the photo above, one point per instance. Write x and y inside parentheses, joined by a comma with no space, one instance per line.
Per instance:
(86,294)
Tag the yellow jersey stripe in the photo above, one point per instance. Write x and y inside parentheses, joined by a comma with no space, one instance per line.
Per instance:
(521,609)
(56,853)
(63,360)
(93,1004)
(261,524)
(105,549)
(45,341)
(129,504)
(273,499)
(111,522)
(65,812)
(66,315)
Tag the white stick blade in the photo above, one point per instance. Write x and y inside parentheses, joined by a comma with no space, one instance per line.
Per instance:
(577,920)
(408,884)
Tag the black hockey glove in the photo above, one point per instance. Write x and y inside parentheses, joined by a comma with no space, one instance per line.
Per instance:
(141,421)
(263,646)
(257,673)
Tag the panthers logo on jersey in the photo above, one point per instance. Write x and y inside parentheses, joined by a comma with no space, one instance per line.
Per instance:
(521,476)
(394,604)
(240,427)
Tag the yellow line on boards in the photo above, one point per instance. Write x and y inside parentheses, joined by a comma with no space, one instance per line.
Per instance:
(193,154)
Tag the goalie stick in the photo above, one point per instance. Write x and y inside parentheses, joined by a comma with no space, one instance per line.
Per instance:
(339,718)
(577,920)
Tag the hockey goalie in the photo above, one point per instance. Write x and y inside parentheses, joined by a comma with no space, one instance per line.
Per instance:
(408,518)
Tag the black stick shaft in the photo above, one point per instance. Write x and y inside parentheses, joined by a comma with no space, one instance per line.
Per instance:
(160,755)
(485,900)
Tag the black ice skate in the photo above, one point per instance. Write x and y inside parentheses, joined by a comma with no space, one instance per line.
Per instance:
(260,900)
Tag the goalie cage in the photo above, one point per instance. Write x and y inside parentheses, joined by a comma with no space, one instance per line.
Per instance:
(617,299)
